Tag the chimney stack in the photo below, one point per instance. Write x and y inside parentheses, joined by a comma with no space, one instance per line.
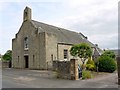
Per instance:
(27,14)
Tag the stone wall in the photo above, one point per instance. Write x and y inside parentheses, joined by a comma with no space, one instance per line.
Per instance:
(63,69)
(66,69)
(6,64)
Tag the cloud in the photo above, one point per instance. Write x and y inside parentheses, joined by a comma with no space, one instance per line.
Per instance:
(97,19)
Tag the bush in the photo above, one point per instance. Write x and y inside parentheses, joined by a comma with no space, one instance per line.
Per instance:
(109,53)
(86,74)
(90,61)
(90,65)
(106,64)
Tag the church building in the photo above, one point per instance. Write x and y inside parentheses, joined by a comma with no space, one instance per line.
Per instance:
(37,45)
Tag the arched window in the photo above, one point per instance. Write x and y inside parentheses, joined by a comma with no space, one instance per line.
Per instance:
(26,43)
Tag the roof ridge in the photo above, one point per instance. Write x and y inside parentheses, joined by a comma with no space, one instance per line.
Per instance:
(55,26)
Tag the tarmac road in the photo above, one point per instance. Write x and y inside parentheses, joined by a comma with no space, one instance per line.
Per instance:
(20,78)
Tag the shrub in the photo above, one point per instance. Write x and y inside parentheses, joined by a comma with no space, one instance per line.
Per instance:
(90,61)
(106,64)
(90,65)
(86,74)
(109,53)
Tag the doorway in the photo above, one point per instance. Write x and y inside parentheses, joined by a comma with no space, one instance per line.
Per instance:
(26,61)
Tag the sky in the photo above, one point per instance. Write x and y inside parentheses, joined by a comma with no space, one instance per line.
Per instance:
(96,19)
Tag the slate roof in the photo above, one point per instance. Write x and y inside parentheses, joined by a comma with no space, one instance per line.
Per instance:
(63,35)
(97,52)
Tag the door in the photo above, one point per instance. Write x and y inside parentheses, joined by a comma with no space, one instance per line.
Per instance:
(10,64)
(26,61)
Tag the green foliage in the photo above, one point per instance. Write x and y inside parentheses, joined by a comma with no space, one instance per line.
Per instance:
(90,65)
(109,53)
(7,56)
(90,61)
(82,50)
(106,64)
(86,74)
(74,50)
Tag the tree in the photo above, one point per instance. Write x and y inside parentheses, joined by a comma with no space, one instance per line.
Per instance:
(82,50)
(109,53)
(7,56)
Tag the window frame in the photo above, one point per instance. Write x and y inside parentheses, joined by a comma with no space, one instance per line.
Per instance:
(65,53)
(26,44)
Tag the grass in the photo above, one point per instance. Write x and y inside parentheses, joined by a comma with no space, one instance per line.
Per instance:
(86,74)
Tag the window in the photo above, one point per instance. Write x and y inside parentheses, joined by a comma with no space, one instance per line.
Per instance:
(51,57)
(65,53)
(26,43)
(18,59)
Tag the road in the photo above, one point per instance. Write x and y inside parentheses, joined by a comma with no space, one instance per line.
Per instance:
(20,78)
